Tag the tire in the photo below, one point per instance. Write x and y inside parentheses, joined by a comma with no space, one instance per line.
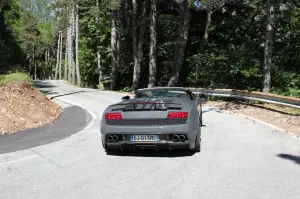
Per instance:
(103,145)
(110,151)
(201,120)
(198,141)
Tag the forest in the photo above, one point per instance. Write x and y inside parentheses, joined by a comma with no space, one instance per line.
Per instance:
(130,44)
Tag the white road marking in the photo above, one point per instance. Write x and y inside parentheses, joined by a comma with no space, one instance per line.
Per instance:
(18,160)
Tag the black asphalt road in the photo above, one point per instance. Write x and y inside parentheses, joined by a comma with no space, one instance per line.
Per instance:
(72,120)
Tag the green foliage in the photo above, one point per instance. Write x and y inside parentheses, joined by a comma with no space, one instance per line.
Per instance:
(126,89)
(93,38)
(15,78)
(289,92)
(25,33)
(233,55)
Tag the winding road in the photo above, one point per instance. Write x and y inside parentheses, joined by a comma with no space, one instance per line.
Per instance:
(238,159)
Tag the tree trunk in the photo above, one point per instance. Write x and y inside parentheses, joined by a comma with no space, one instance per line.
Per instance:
(181,43)
(30,64)
(40,71)
(101,85)
(207,29)
(35,75)
(60,54)
(46,64)
(268,47)
(114,36)
(46,67)
(134,43)
(77,53)
(57,57)
(66,59)
(73,35)
(138,50)
(118,53)
(152,56)
(70,36)
(49,65)
(34,64)
(70,49)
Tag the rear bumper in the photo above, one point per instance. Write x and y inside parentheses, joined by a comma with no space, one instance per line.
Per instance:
(165,145)
(164,132)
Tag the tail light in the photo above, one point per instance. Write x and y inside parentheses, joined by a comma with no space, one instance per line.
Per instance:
(178,115)
(113,116)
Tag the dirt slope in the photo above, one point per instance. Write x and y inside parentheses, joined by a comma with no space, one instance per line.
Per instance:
(22,107)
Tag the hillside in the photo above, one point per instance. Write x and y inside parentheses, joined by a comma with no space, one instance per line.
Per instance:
(22,107)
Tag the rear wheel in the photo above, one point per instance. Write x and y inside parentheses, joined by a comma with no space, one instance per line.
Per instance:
(198,141)
(108,149)
(201,121)
(111,151)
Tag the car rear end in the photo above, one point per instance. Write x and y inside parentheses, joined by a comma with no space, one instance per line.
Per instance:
(168,127)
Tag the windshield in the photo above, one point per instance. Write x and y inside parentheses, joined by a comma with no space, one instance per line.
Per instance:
(162,93)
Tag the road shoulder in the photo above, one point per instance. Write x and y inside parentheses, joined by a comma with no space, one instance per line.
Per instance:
(72,120)
(279,120)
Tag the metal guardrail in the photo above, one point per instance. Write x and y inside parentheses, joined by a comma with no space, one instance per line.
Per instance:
(256,96)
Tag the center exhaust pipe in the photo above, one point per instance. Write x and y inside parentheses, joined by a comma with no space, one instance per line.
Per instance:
(115,138)
(182,138)
(109,138)
(175,138)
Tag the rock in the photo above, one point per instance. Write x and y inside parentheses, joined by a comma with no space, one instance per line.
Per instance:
(4,132)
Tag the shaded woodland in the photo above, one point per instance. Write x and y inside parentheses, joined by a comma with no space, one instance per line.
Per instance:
(130,44)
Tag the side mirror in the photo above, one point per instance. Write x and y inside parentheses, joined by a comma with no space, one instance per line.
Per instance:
(202,96)
(126,97)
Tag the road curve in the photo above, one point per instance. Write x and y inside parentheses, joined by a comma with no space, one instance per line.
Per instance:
(71,120)
(239,159)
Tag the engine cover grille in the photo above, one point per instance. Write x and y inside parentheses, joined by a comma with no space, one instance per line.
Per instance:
(145,122)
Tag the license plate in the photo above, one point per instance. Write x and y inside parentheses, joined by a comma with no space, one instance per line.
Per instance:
(144,138)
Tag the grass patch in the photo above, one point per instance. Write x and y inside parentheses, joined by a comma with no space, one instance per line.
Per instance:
(15,78)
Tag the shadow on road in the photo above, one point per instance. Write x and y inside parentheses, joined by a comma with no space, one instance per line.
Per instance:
(293,158)
(66,94)
(41,84)
(151,153)
(56,94)
(48,92)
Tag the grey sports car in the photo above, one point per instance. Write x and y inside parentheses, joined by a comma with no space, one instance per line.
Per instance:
(158,118)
